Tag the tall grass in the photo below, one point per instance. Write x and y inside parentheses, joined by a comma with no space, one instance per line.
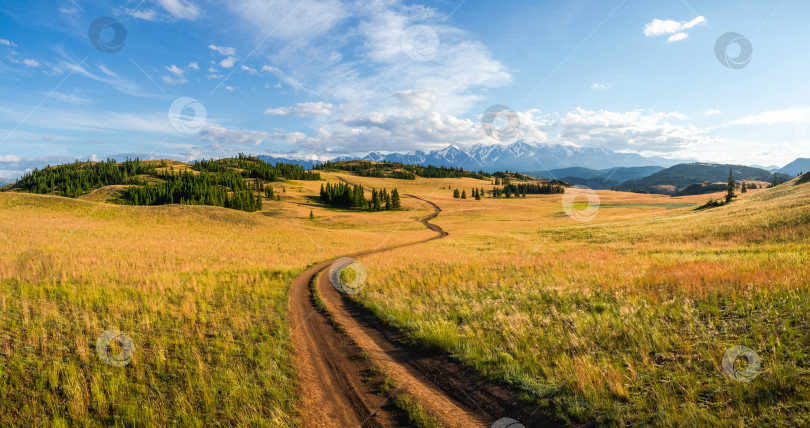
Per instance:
(201,291)
(623,321)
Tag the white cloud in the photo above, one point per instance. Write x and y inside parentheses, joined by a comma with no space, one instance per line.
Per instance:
(183,9)
(601,86)
(249,69)
(271,69)
(7,43)
(106,70)
(775,117)
(661,27)
(145,14)
(636,130)
(294,21)
(179,75)
(419,100)
(223,50)
(228,62)
(70,98)
(193,66)
(68,11)
(302,109)
(677,37)
(712,112)
(224,136)
(31,63)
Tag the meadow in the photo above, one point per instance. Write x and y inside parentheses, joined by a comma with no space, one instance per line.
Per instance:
(201,292)
(623,320)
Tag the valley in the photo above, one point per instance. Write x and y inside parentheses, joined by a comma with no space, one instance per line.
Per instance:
(606,321)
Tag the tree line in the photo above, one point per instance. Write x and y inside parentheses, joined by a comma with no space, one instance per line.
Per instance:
(195,189)
(516,190)
(75,179)
(343,195)
(399,170)
(253,167)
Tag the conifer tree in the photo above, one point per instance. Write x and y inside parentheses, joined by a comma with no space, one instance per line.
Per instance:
(730,195)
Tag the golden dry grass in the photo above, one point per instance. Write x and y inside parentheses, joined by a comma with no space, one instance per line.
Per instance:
(201,291)
(622,320)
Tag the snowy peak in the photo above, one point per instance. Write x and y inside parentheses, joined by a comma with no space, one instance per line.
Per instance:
(520,156)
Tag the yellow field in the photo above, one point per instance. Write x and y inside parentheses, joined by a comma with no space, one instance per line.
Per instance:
(622,320)
(201,291)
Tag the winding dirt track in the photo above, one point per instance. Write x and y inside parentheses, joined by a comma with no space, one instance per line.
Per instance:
(329,366)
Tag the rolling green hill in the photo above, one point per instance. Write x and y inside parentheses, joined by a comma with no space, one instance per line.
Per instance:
(597,178)
(674,179)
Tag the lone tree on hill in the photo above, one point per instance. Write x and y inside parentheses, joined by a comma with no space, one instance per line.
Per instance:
(730,195)
(463,194)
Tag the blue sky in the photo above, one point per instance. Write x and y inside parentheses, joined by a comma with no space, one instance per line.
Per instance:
(315,78)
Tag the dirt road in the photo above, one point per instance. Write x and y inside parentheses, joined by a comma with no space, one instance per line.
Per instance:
(330,366)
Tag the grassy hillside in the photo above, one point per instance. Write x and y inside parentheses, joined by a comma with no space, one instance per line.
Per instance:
(597,178)
(678,177)
(201,291)
(623,320)
(228,183)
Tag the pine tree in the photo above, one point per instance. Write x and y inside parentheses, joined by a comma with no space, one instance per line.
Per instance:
(744,188)
(730,195)
(395,202)
(311,215)
(463,194)
(456,194)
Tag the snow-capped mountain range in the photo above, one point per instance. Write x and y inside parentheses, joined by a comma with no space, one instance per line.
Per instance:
(519,156)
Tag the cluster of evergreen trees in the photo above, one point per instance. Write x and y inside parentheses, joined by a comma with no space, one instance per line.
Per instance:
(75,179)
(399,170)
(346,196)
(196,189)
(476,193)
(531,189)
(253,167)
(522,189)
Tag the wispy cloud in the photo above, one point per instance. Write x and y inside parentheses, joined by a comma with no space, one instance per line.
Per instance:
(302,109)
(182,9)
(676,29)
(178,75)
(223,50)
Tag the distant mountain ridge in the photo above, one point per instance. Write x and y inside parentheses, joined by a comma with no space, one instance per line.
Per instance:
(519,156)
(796,167)
(597,178)
(676,178)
